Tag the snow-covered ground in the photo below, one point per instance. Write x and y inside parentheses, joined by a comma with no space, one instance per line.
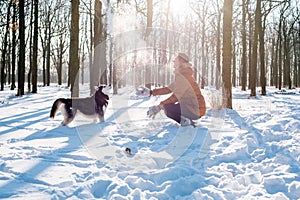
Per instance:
(251,152)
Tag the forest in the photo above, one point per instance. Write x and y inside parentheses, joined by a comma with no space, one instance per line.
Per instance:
(247,43)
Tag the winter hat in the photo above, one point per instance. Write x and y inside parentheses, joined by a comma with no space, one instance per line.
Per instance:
(184,57)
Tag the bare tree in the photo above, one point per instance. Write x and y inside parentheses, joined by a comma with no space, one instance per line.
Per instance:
(288,29)
(4,52)
(234,49)
(74,47)
(218,48)
(61,43)
(149,16)
(51,20)
(35,47)
(262,27)
(48,44)
(202,12)
(227,54)
(13,52)
(22,50)
(30,47)
(244,46)
(98,50)
(297,56)
(255,45)
(149,26)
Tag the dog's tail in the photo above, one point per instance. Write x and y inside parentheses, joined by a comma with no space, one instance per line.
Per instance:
(56,106)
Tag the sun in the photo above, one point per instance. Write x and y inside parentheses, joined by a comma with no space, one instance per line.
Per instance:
(179,7)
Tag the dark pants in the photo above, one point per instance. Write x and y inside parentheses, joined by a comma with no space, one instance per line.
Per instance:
(175,111)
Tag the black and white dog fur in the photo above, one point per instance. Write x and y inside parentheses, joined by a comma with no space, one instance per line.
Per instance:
(90,106)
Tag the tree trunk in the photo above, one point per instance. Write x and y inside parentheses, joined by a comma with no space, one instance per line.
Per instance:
(44,48)
(149,16)
(280,61)
(115,81)
(149,27)
(272,65)
(35,47)
(3,75)
(98,50)
(74,45)
(294,58)
(13,56)
(218,53)
(298,69)
(234,60)
(30,49)
(287,63)
(110,63)
(255,46)
(48,55)
(227,54)
(203,58)
(195,53)
(22,50)
(250,47)
(244,47)
(91,66)
(276,60)
(297,57)
(82,64)
(8,62)
(281,29)
(261,33)
(60,58)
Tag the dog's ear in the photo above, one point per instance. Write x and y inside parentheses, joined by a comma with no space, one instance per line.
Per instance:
(96,88)
(101,87)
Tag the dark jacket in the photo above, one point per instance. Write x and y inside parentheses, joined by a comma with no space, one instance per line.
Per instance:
(185,90)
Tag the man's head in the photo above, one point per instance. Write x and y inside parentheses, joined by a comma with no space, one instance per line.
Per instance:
(181,59)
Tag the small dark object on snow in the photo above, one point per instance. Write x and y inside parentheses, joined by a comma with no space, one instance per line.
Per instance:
(128,150)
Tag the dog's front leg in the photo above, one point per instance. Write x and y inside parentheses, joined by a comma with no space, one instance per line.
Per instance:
(100,114)
(101,118)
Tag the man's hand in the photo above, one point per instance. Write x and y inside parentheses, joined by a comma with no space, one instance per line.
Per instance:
(153,110)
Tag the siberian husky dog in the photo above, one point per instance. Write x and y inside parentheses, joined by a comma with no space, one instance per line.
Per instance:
(90,106)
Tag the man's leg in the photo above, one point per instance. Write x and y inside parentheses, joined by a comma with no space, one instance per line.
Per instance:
(173,111)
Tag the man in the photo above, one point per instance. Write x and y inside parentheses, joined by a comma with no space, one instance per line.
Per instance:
(186,102)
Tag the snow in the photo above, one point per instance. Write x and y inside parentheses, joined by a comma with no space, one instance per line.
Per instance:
(251,152)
